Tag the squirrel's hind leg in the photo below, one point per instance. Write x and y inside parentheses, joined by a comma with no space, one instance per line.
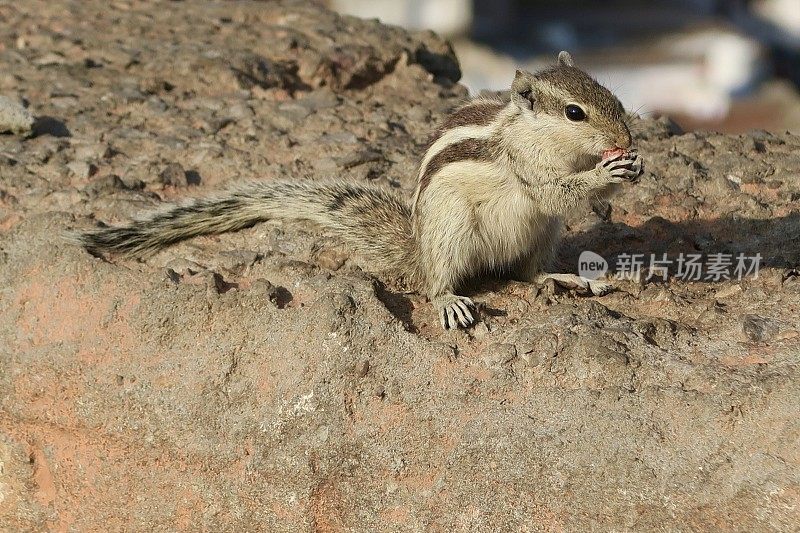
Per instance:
(454,311)
(449,255)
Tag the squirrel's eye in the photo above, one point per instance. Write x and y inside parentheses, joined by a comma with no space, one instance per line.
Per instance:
(574,113)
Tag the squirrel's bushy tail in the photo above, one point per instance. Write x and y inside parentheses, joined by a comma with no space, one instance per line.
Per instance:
(373,221)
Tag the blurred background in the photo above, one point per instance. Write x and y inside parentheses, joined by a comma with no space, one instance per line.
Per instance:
(724,65)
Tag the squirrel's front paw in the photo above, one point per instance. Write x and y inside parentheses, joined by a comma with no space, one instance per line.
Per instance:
(624,166)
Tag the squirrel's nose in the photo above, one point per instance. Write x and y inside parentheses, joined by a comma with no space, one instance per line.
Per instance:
(624,140)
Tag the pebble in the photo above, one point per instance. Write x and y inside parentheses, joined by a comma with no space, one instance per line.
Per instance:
(499,354)
(727,292)
(293,111)
(480,330)
(535,346)
(131,95)
(237,261)
(184,267)
(173,175)
(331,258)
(759,328)
(13,117)
(105,185)
(239,111)
(216,284)
(277,296)
(64,102)
(81,169)
(362,368)
(319,99)
(49,59)
(359,158)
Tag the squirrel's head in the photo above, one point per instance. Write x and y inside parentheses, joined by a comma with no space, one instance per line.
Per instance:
(585,117)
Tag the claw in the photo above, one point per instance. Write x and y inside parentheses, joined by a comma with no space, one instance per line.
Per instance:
(465,308)
(455,311)
(458,311)
(623,166)
(451,317)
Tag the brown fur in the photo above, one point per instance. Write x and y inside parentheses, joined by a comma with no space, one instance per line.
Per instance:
(468,149)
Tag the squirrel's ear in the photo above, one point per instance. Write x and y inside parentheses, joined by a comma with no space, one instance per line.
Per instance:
(522,89)
(565,58)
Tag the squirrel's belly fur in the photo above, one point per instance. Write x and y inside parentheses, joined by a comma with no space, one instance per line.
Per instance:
(494,221)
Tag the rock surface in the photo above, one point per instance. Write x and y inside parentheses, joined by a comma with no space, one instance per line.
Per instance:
(261,381)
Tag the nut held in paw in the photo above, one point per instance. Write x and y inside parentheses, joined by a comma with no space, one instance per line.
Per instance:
(614,152)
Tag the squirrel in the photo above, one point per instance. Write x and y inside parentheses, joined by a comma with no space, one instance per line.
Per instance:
(493,185)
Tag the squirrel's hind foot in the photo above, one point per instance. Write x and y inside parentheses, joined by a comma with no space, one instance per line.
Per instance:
(455,311)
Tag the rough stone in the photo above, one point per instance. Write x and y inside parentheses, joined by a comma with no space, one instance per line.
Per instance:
(184,391)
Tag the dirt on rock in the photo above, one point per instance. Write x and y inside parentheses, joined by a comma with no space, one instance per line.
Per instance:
(264,380)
